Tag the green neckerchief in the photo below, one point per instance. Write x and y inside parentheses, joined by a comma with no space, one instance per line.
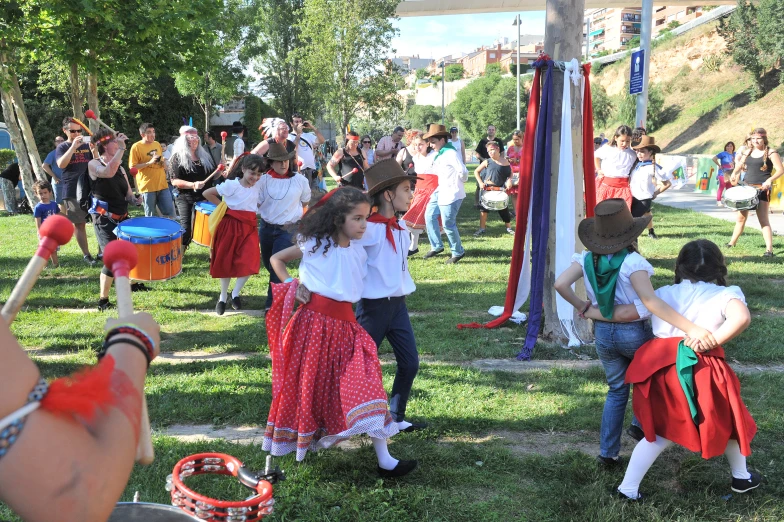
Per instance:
(446,146)
(684,364)
(604,278)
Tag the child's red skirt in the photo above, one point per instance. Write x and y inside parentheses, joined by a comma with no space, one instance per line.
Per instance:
(415,217)
(235,251)
(609,188)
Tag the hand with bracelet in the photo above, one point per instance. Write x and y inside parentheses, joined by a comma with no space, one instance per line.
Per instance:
(147,340)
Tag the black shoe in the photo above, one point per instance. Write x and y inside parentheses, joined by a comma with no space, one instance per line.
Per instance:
(99,257)
(236,303)
(404,467)
(103,305)
(625,498)
(728,245)
(609,463)
(89,260)
(139,287)
(413,252)
(652,235)
(433,253)
(768,253)
(454,259)
(415,426)
(635,432)
(220,307)
(746,485)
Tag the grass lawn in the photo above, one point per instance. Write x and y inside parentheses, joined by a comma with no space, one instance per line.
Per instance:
(500,446)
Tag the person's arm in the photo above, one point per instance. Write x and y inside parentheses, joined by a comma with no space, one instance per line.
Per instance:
(65,159)
(563,285)
(477,174)
(278,261)
(664,185)
(739,166)
(319,137)
(717,161)
(400,156)
(777,166)
(597,163)
(462,150)
(738,319)
(38,222)
(332,163)
(260,149)
(211,195)
(98,170)
(139,165)
(48,170)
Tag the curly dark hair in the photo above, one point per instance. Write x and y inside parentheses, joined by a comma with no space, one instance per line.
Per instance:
(248,161)
(323,222)
(701,260)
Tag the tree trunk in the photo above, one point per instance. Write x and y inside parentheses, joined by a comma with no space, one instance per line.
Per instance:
(19,145)
(563,41)
(76,93)
(92,98)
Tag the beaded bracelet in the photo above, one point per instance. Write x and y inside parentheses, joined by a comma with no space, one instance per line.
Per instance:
(132,329)
(587,306)
(111,342)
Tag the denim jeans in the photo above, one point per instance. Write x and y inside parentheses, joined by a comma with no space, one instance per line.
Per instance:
(616,344)
(448,215)
(59,190)
(272,239)
(160,198)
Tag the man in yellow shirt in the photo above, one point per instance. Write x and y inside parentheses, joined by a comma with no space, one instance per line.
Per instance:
(147,156)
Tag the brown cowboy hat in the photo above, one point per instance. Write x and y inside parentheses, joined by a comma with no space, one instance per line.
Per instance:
(277,152)
(436,131)
(612,229)
(385,174)
(647,142)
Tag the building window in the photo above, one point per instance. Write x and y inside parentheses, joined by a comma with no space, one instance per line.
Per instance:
(660,21)
(492,55)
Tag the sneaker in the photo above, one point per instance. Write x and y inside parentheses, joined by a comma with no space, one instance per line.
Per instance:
(454,259)
(236,303)
(652,235)
(609,463)
(626,498)
(729,245)
(415,426)
(99,257)
(433,253)
(89,260)
(510,231)
(139,287)
(746,485)
(220,307)
(480,232)
(103,305)
(635,432)
(768,253)
(413,252)
(404,467)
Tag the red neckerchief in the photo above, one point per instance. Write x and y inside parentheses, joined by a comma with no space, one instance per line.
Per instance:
(390,223)
(275,175)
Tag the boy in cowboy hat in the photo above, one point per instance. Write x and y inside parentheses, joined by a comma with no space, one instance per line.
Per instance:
(647,179)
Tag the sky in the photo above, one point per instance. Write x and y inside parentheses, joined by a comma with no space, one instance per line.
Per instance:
(438,36)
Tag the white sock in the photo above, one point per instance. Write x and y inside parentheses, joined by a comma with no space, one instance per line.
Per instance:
(415,233)
(238,284)
(737,460)
(224,289)
(643,457)
(385,460)
(403,425)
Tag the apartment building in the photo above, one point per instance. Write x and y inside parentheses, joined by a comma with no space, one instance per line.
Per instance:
(664,15)
(610,29)
(410,63)
(475,63)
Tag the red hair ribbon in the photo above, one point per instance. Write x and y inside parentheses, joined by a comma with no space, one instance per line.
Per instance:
(326,197)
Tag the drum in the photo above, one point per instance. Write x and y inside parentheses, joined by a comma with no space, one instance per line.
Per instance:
(494,199)
(201,217)
(742,197)
(158,242)
(146,512)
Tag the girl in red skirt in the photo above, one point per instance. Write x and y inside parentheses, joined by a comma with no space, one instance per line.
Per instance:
(326,377)
(692,396)
(614,162)
(235,251)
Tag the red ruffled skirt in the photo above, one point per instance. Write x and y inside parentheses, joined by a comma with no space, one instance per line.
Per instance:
(415,217)
(235,250)
(661,407)
(326,377)
(609,188)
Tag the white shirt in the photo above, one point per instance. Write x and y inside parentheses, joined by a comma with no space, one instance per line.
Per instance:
(239,146)
(280,200)
(424,164)
(616,163)
(387,269)
(701,303)
(452,174)
(238,197)
(624,291)
(305,153)
(643,180)
(338,274)
(458,145)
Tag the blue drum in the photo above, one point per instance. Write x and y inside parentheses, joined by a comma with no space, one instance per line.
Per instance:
(158,242)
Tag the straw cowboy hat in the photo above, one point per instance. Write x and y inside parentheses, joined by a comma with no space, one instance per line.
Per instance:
(437,131)
(648,142)
(612,229)
(277,152)
(385,174)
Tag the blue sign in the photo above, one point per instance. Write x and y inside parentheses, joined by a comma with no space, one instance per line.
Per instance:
(638,67)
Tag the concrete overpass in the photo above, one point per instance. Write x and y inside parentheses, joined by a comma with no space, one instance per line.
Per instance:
(408,8)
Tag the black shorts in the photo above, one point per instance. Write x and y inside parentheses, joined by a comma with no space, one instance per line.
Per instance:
(640,207)
(104,232)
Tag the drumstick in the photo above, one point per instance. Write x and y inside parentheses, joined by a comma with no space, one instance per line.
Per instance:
(90,114)
(220,168)
(120,257)
(224,135)
(55,231)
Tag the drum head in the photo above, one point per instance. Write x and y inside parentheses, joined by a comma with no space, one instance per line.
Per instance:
(148,230)
(740,192)
(495,199)
(146,512)
(205,207)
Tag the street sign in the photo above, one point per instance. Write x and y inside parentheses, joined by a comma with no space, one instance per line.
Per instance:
(638,65)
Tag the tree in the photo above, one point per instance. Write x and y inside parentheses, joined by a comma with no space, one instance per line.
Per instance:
(740,31)
(210,82)
(454,72)
(674,24)
(770,15)
(625,112)
(602,108)
(418,116)
(255,111)
(421,73)
(633,42)
(345,55)
(524,68)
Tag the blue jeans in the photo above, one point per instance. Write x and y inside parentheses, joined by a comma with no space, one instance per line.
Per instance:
(448,215)
(616,344)
(272,239)
(58,189)
(160,198)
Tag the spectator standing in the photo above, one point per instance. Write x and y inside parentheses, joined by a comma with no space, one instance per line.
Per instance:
(725,160)
(482,155)
(212,146)
(306,143)
(388,146)
(457,143)
(147,156)
(236,142)
(56,173)
(367,146)
(45,208)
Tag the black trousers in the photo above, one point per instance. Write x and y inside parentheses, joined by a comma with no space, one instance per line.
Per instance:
(185,203)
(388,317)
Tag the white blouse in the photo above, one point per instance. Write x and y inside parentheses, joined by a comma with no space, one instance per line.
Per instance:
(644,179)
(337,274)
(424,164)
(238,197)
(452,174)
(624,291)
(281,200)
(387,269)
(616,163)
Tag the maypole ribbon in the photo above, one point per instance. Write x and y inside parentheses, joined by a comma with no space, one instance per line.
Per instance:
(589,174)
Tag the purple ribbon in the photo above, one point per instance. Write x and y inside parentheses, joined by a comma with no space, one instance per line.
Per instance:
(540,211)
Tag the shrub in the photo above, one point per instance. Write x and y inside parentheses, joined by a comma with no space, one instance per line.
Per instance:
(6,157)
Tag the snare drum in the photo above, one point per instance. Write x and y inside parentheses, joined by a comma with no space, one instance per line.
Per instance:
(494,199)
(742,197)
(146,512)
(158,242)
(201,218)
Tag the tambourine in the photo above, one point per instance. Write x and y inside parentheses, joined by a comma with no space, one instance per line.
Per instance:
(204,508)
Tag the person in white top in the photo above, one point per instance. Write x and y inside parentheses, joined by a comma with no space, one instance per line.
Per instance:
(422,159)
(446,200)
(684,391)
(613,163)
(282,195)
(326,377)
(615,274)
(306,148)
(382,311)
(647,180)
(235,245)
(238,132)
(457,143)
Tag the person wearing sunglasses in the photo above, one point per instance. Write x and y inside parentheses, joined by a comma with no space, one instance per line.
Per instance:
(367,146)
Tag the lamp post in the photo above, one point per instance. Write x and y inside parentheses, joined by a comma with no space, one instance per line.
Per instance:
(443,82)
(587,35)
(518,23)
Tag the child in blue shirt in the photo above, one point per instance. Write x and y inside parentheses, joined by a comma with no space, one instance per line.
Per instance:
(44,209)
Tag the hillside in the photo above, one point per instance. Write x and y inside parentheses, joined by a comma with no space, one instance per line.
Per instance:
(706,102)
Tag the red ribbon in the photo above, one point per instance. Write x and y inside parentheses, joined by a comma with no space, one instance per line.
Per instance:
(391,223)
(589,173)
(275,175)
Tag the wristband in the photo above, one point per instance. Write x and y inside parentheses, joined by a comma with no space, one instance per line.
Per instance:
(136,332)
(136,344)
(587,306)
(289,280)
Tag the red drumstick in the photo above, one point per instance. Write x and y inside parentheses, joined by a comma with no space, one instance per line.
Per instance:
(120,258)
(134,171)
(220,168)
(224,135)
(91,115)
(55,231)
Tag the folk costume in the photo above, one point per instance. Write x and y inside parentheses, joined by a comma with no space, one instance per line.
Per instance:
(235,251)
(616,165)
(644,179)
